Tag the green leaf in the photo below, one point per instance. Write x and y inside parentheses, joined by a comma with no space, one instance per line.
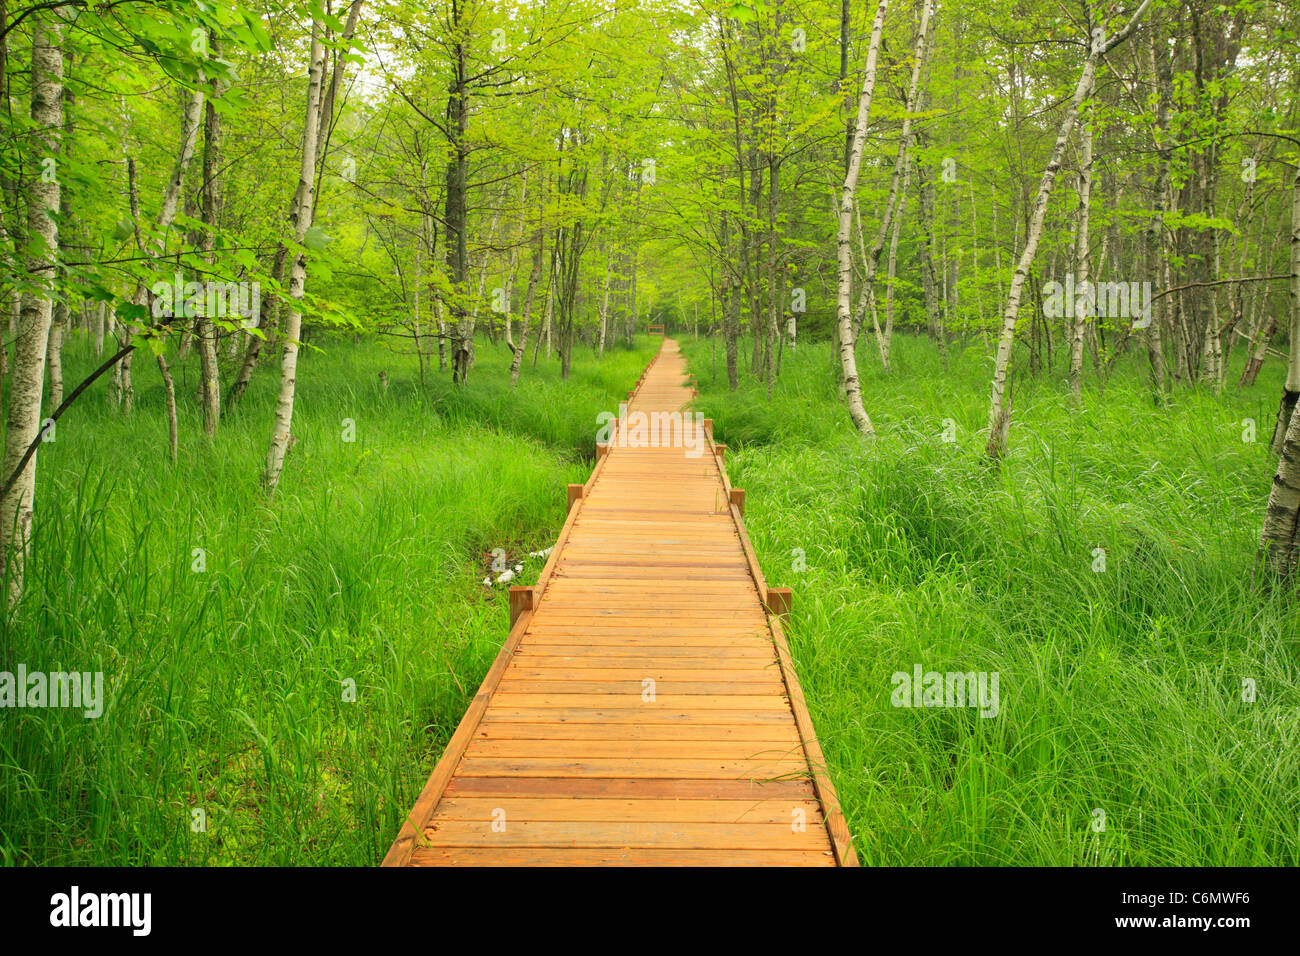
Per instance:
(316,239)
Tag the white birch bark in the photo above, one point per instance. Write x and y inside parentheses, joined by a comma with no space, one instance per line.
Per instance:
(166,216)
(100,324)
(205,328)
(999,413)
(844,235)
(1082,251)
(298,271)
(604,301)
(1277,540)
(23,423)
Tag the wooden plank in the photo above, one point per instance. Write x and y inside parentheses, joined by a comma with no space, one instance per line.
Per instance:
(759,750)
(610,856)
(655,651)
(637,714)
(508,696)
(792,767)
(633,834)
(639,686)
(521,599)
(603,787)
(491,728)
(567,809)
(767,675)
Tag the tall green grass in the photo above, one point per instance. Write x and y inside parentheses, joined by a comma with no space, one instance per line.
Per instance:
(226,685)
(1121,690)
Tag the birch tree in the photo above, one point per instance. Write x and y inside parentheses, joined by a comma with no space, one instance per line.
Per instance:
(890,222)
(205,330)
(1277,540)
(23,423)
(302,220)
(1098,45)
(844,236)
(166,216)
(1081,254)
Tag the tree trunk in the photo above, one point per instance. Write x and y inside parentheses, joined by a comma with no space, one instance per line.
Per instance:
(1081,253)
(534,277)
(1156,238)
(604,302)
(999,413)
(1277,540)
(23,423)
(169,389)
(268,320)
(843,237)
(204,328)
(298,272)
(456,212)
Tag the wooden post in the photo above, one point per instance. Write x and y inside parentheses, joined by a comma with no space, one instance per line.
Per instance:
(720,451)
(575,492)
(521,599)
(708,427)
(738,499)
(779,601)
(602,449)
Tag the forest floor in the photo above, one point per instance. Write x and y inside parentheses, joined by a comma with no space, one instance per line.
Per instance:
(1122,734)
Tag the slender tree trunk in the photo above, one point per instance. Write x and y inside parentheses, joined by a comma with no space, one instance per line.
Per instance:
(54,352)
(456,212)
(166,216)
(59,322)
(1156,237)
(844,239)
(99,328)
(1286,418)
(774,285)
(730,308)
(1081,253)
(891,222)
(1263,334)
(268,320)
(23,422)
(604,301)
(999,410)
(1277,540)
(298,272)
(169,390)
(534,278)
(205,330)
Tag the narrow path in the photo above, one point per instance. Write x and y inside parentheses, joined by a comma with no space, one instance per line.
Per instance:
(644,709)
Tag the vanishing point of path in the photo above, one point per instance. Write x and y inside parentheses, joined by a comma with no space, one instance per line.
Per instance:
(644,708)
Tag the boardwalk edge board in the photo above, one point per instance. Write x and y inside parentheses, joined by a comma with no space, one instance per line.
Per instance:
(841,839)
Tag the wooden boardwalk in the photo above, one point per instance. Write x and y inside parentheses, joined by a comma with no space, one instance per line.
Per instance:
(644,709)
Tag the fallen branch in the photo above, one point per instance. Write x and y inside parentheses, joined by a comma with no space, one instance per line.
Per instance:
(72,397)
